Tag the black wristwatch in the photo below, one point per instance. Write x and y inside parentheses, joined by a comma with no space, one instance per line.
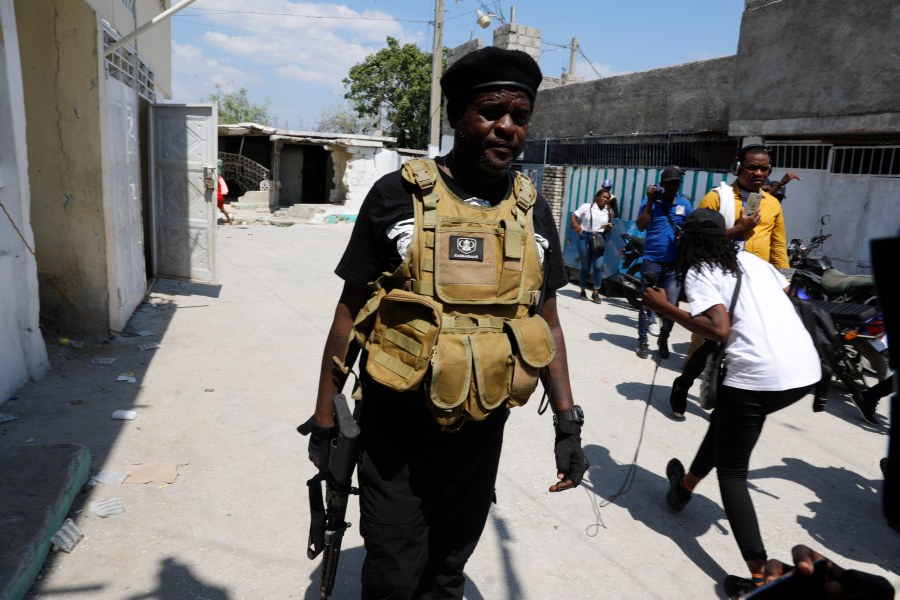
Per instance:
(575,415)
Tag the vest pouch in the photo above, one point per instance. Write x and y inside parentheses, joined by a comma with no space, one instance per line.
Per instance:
(451,377)
(534,348)
(403,339)
(492,358)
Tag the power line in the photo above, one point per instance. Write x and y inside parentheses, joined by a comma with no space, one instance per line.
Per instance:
(212,11)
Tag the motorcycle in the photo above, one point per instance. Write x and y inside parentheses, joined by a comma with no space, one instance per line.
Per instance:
(621,261)
(630,274)
(815,278)
(859,359)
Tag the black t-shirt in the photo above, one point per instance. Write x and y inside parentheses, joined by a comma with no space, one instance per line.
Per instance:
(371,252)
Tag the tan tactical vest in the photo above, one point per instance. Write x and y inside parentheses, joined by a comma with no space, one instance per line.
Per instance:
(455,317)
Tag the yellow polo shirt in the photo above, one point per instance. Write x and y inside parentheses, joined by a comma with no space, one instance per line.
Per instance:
(768,241)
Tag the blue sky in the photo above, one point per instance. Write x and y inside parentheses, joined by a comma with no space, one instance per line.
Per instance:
(295,53)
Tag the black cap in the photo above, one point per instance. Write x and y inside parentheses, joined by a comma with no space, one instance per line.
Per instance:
(492,67)
(671,173)
(706,221)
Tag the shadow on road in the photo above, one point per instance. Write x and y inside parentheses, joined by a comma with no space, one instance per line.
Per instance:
(847,503)
(645,502)
(176,581)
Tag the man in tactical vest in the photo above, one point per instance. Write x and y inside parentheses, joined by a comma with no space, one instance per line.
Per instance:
(449,288)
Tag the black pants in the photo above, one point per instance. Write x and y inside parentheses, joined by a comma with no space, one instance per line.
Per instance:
(734,428)
(424,497)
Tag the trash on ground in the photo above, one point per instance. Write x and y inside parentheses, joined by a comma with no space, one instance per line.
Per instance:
(5,417)
(13,398)
(148,346)
(127,378)
(74,402)
(102,362)
(209,390)
(110,507)
(64,341)
(124,415)
(67,537)
(144,332)
(152,471)
(108,478)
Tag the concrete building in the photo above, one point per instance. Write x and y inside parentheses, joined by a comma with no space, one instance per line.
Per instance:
(310,173)
(72,177)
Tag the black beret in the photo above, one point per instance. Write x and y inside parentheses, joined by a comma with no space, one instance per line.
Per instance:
(491,67)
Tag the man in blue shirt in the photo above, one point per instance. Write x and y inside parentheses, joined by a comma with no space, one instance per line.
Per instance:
(661,214)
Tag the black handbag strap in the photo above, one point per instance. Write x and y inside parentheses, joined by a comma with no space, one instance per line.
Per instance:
(737,290)
(672,223)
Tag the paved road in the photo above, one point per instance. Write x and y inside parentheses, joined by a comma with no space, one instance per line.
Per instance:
(236,372)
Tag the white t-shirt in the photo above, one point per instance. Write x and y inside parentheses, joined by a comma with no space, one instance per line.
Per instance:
(591,218)
(769,348)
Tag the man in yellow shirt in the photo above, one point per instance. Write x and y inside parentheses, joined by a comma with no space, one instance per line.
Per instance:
(760,233)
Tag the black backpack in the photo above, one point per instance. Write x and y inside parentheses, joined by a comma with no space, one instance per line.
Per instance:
(821,329)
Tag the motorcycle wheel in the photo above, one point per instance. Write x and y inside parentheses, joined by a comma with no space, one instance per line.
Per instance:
(634,295)
(859,365)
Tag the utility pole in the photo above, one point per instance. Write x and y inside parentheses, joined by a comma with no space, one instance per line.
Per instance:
(437,62)
(573,48)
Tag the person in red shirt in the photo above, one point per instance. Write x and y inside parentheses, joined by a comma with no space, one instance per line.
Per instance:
(221,192)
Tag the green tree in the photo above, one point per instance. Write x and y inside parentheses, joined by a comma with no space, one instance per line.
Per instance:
(393,88)
(342,118)
(235,107)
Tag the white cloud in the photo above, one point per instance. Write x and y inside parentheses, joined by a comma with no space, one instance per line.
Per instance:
(278,49)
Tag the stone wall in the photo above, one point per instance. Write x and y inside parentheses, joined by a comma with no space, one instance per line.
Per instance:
(552,187)
(688,97)
(824,67)
(513,36)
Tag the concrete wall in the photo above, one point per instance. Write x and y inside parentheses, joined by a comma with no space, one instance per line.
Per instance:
(22,351)
(688,97)
(59,46)
(824,67)
(356,169)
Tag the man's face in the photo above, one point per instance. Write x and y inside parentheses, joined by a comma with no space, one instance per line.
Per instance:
(754,171)
(671,188)
(491,130)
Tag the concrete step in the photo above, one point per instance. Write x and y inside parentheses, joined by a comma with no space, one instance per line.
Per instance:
(40,483)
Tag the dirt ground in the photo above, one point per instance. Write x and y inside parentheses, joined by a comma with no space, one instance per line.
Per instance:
(235,373)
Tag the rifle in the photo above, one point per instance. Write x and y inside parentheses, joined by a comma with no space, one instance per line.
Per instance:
(327,524)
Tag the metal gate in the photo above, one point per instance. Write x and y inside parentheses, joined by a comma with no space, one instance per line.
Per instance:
(183,149)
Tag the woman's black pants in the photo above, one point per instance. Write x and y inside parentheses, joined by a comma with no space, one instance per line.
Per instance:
(734,428)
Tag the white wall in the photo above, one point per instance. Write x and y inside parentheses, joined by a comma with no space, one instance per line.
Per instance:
(363,168)
(22,351)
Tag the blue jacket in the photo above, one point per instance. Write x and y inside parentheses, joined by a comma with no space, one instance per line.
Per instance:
(659,244)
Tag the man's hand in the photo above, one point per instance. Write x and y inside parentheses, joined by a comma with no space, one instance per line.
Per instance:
(571,463)
(745,223)
(839,583)
(655,299)
(651,193)
(319,443)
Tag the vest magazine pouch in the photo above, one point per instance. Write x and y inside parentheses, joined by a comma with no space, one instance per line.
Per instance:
(451,379)
(533,340)
(491,358)
(471,265)
(403,339)
(533,349)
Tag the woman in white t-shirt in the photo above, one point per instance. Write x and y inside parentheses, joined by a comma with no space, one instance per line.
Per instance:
(770,363)
(591,218)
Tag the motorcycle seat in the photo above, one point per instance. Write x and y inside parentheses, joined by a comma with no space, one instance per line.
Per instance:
(836,282)
(847,312)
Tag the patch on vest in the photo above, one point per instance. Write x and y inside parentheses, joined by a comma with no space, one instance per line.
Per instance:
(466,248)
